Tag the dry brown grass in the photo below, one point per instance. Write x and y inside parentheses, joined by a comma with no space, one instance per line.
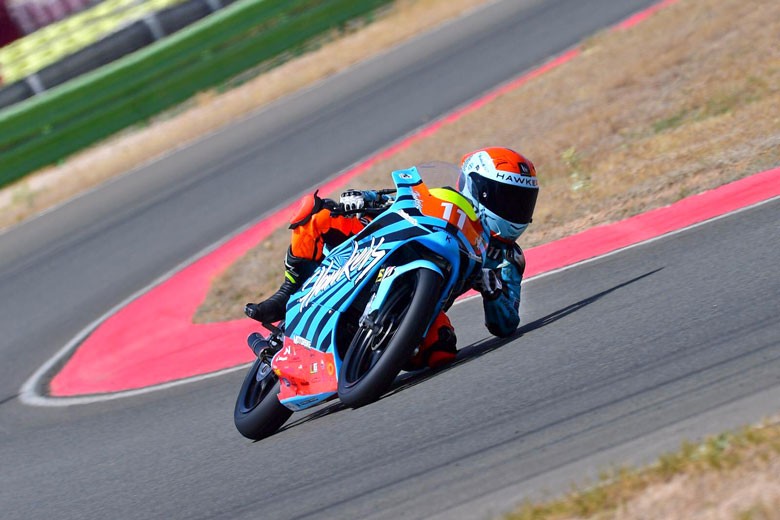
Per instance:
(732,476)
(684,102)
(208,112)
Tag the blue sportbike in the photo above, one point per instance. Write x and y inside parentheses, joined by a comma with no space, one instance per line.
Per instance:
(355,323)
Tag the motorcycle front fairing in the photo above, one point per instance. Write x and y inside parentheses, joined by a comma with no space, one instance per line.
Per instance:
(444,236)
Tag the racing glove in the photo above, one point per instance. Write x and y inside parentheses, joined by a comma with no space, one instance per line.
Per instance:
(352,200)
(489,283)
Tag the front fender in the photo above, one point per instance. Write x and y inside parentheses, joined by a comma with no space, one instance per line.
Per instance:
(390,274)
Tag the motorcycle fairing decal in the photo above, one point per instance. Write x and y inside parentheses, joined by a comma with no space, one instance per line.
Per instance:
(359,255)
(304,371)
(319,336)
(452,206)
(403,234)
(335,296)
(455,198)
(345,255)
(358,265)
(333,299)
(387,280)
(387,219)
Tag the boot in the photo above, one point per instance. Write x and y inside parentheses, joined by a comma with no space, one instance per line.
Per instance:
(273,309)
(438,348)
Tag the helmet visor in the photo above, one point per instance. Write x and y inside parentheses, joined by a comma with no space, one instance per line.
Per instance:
(513,203)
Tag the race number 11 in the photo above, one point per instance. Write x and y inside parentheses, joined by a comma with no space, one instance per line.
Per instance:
(448,213)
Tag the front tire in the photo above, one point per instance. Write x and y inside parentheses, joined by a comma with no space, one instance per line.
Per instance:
(258,412)
(377,354)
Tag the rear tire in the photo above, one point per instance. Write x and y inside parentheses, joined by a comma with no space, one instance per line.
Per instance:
(258,412)
(373,360)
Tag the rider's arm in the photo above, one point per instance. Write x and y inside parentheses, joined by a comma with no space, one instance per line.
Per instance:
(502,306)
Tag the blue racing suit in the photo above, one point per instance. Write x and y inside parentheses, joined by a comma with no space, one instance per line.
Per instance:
(502,308)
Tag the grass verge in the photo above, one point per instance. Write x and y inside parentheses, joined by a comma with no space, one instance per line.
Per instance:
(734,475)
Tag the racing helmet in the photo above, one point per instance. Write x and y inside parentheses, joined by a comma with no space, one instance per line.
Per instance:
(502,186)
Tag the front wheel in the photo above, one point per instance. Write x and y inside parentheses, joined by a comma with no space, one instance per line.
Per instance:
(387,338)
(258,412)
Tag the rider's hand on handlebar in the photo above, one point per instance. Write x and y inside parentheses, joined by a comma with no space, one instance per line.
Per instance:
(489,284)
(358,202)
(352,200)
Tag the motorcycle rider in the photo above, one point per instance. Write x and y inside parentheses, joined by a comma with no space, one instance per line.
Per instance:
(500,183)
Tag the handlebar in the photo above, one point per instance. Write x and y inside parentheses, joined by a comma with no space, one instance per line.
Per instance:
(367,210)
(371,210)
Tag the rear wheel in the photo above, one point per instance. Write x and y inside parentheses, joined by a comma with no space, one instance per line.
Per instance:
(258,412)
(386,339)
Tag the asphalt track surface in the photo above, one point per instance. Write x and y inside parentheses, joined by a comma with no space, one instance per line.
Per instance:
(619,358)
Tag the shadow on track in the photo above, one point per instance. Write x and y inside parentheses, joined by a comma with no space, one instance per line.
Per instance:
(477,350)
(333,407)
(470,353)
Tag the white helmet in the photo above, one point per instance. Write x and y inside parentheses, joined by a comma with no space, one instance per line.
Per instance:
(502,186)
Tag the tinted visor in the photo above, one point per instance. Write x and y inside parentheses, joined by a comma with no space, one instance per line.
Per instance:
(513,203)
